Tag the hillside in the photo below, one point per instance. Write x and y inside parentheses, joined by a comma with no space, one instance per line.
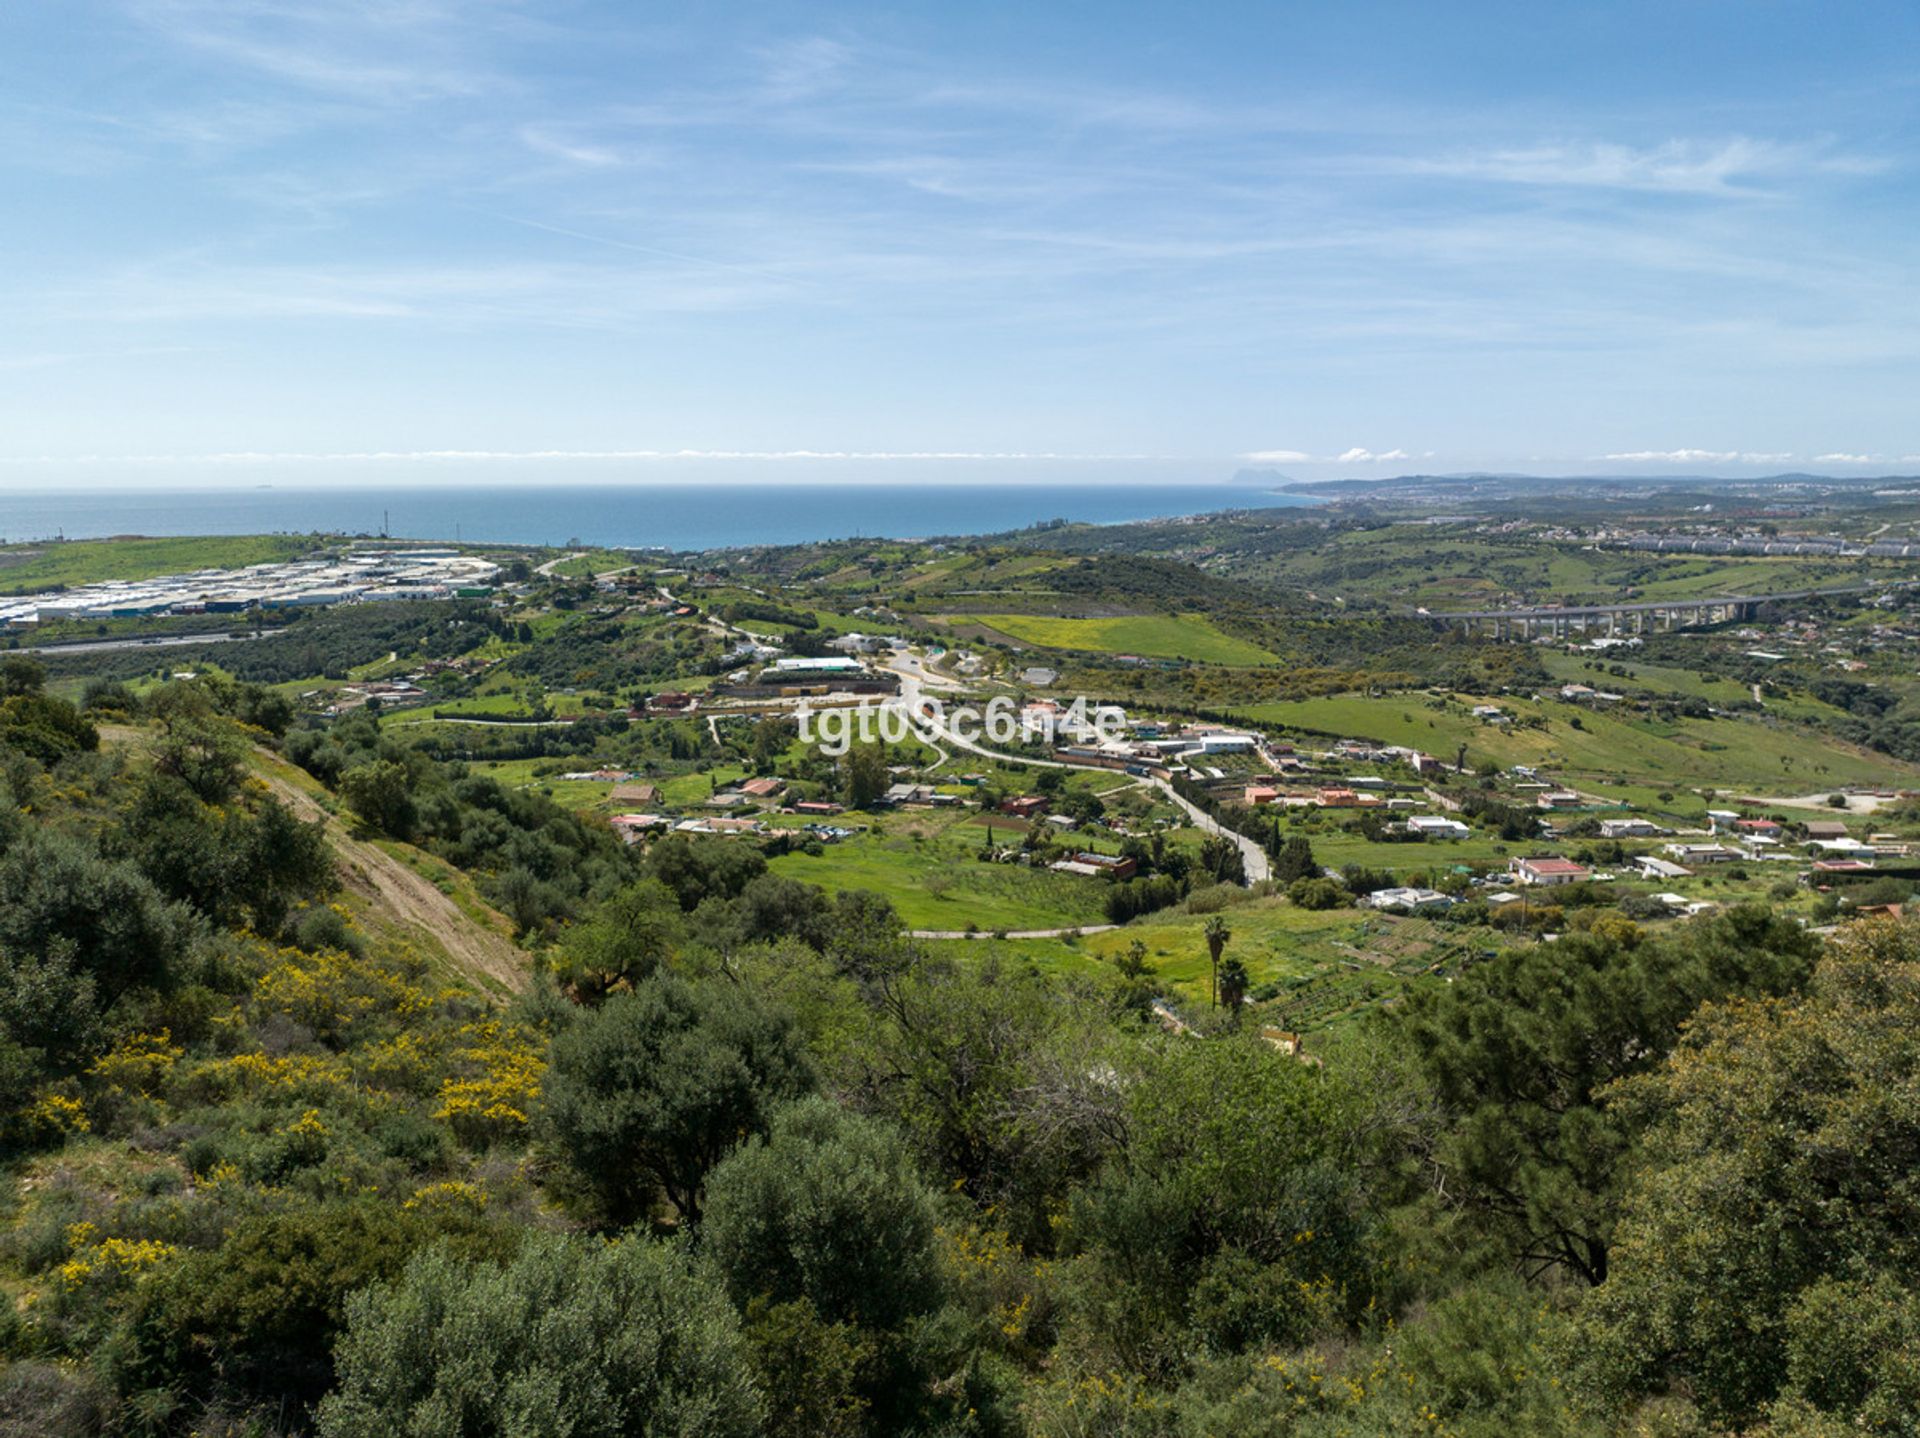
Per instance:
(1035,1084)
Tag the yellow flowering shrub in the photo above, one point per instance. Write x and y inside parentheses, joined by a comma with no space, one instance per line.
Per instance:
(998,1279)
(55,1116)
(497,1080)
(452,1194)
(314,1077)
(140,1063)
(1090,1403)
(409,1061)
(223,1174)
(306,1138)
(332,992)
(106,1263)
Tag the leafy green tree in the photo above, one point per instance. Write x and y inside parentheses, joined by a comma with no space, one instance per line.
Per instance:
(827,1207)
(865,775)
(573,1336)
(771,739)
(530,901)
(1520,1048)
(646,1094)
(119,929)
(631,936)
(809,1370)
(1294,861)
(48,1007)
(257,1316)
(1010,1089)
(773,907)
(21,674)
(235,863)
(1317,893)
(1221,859)
(204,752)
(108,696)
(697,871)
(828,1222)
(262,708)
(1768,1242)
(1230,1218)
(381,793)
(1134,984)
(44,727)
(864,937)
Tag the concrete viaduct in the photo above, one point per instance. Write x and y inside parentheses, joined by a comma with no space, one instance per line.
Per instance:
(1636,617)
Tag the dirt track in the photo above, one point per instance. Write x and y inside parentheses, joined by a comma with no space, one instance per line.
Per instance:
(404,902)
(409,902)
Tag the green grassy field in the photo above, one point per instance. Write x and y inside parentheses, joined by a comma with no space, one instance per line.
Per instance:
(1659,678)
(1704,578)
(510,702)
(594,561)
(926,865)
(28,567)
(1000,569)
(1160,636)
(1682,683)
(1620,755)
(1318,968)
(1431,857)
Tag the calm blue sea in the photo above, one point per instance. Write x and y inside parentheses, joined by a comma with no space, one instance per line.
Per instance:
(675,516)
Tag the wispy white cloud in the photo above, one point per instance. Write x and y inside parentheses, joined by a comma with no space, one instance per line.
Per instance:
(634,247)
(1843,458)
(1728,167)
(387,53)
(546,294)
(554,141)
(1356,455)
(1696,456)
(805,68)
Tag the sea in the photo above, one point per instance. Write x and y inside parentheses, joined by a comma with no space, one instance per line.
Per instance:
(679,515)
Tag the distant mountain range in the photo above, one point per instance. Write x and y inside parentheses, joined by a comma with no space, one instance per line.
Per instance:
(1488,485)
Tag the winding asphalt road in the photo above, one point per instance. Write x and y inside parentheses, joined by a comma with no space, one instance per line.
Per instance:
(934,729)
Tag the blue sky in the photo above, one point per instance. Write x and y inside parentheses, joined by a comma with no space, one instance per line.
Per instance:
(334,240)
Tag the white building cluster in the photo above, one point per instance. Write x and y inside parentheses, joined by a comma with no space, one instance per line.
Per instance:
(421,573)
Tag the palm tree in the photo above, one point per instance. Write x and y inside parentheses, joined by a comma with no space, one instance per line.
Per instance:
(1233,986)
(1216,934)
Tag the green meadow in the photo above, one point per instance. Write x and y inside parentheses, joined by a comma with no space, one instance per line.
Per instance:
(1158,636)
(927,865)
(28,567)
(1310,969)
(1612,754)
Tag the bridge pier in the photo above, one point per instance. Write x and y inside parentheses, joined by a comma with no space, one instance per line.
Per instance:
(1642,616)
